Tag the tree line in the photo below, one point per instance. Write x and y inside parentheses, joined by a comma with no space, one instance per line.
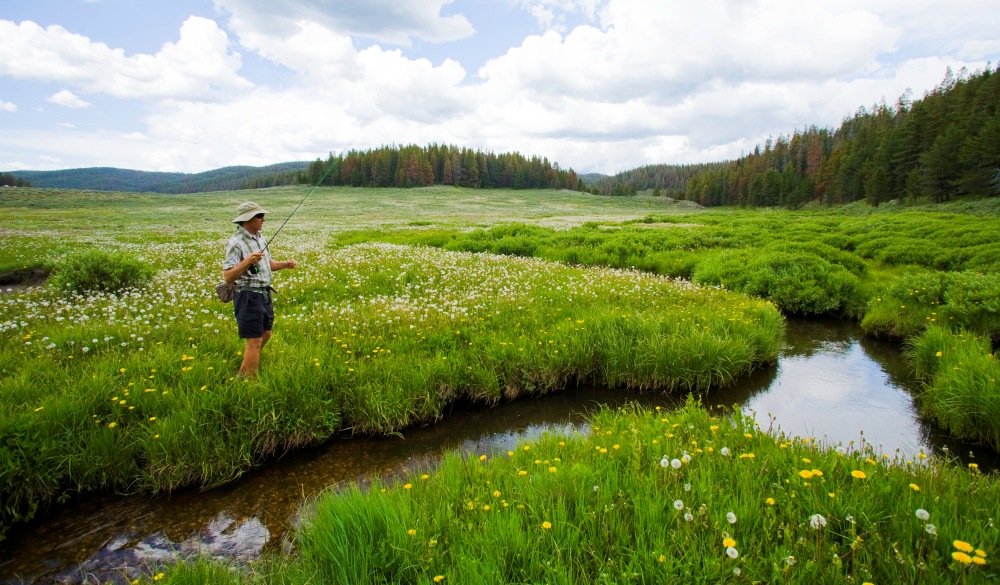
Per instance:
(9,180)
(416,166)
(663,179)
(944,145)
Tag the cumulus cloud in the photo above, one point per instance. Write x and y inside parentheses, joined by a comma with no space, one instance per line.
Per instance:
(389,21)
(7,107)
(197,65)
(68,99)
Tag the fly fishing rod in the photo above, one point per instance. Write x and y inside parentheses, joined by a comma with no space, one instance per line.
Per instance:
(308,193)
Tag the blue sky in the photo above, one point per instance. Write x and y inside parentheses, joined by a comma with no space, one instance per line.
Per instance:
(596,85)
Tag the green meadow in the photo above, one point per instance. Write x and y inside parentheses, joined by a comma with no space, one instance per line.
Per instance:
(407,300)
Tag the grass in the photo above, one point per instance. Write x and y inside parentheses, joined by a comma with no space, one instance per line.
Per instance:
(648,496)
(133,390)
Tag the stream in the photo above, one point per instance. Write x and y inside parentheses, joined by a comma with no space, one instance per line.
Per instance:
(829,383)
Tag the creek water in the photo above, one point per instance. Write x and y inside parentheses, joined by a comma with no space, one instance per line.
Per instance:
(829,383)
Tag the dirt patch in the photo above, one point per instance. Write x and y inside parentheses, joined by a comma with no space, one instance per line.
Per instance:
(22,279)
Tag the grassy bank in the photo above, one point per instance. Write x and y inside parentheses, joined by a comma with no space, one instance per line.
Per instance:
(135,391)
(650,497)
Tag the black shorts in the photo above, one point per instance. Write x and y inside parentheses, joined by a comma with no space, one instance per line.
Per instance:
(254,313)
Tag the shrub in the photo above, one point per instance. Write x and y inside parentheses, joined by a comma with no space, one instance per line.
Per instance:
(97,270)
(797,283)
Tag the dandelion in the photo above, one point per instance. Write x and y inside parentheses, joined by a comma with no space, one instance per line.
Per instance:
(522,473)
(112,425)
(731,518)
(662,559)
(923,515)
(496,494)
(407,486)
(914,487)
(737,571)
(728,542)
(732,553)
(482,457)
(979,560)
(724,451)
(931,529)
(962,546)
(770,501)
(411,532)
(805,474)
(678,505)
(547,525)
(439,578)
(425,476)
(686,458)
(789,560)
(688,516)
(552,469)
(817,521)
(980,553)
(857,473)
(961,557)
(675,463)
(664,462)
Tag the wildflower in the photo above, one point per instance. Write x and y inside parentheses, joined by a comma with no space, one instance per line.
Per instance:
(522,473)
(482,457)
(411,532)
(731,518)
(678,505)
(675,463)
(686,458)
(688,516)
(805,474)
(817,521)
(547,525)
(737,571)
(112,425)
(439,578)
(961,557)
(724,451)
(496,494)
(728,542)
(914,487)
(931,529)
(980,553)
(662,558)
(789,560)
(732,552)
(687,487)
(938,354)
(973,466)
(979,560)
(858,474)
(425,476)
(962,546)
(770,501)
(664,462)
(923,515)
(407,486)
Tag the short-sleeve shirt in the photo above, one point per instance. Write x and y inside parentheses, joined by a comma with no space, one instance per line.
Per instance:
(241,245)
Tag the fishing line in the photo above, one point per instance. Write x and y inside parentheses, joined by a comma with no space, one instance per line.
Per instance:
(310,192)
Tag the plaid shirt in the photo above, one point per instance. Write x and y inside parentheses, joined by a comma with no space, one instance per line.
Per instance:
(241,245)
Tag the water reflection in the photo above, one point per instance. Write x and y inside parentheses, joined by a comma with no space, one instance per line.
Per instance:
(829,383)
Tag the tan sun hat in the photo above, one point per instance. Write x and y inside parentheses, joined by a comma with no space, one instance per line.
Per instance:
(246,211)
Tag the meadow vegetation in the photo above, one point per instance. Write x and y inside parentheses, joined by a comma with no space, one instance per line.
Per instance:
(649,496)
(407,300)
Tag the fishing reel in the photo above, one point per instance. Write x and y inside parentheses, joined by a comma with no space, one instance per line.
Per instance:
(254,269)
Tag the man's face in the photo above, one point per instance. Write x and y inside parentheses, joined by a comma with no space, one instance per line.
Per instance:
(255,224)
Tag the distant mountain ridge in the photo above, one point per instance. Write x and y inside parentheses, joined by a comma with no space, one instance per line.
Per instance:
(112,179)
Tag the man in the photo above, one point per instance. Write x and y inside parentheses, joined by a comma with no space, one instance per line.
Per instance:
(248,263)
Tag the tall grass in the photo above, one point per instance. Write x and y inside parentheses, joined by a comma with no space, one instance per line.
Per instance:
(136,391)
(650,496)
(963,389)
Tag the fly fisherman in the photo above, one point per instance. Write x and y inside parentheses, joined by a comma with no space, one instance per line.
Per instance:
(248,263)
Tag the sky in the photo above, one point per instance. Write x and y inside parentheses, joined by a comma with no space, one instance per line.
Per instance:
(593,85)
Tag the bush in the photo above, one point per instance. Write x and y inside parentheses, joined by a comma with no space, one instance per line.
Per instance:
(97,270)
(798,283)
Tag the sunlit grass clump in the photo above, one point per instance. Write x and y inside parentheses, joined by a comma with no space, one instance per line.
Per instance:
(650,496)
(135,391)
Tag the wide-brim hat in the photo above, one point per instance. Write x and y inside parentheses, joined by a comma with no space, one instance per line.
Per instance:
(246,211)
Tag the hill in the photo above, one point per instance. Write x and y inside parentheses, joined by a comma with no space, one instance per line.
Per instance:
(112,179)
